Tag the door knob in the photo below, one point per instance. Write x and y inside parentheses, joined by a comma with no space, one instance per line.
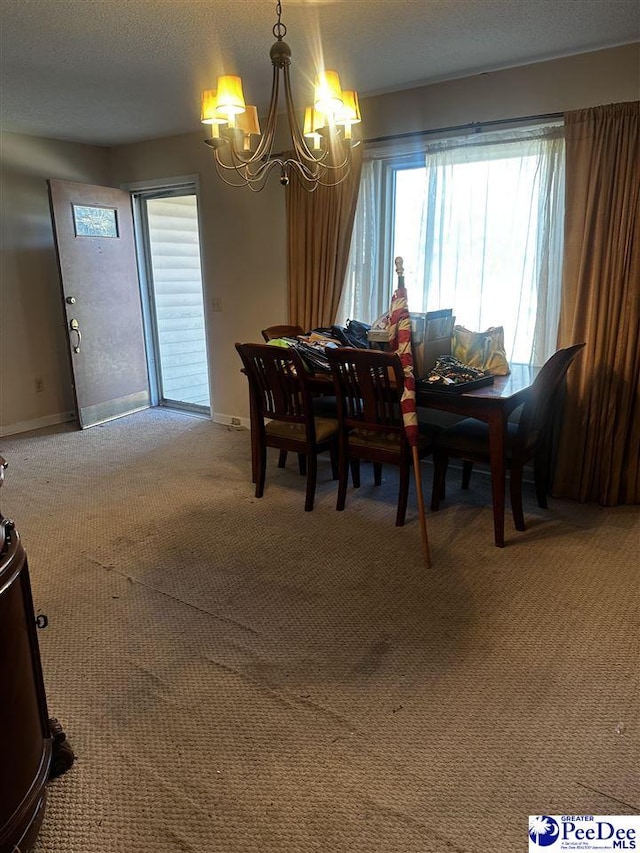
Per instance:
(70,300)
(75,327)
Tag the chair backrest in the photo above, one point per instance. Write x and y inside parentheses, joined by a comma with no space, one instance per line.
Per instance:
(278,383)
(543,394)
(369,385)
(284,331)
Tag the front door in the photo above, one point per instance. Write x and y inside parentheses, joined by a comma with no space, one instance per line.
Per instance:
(94,236)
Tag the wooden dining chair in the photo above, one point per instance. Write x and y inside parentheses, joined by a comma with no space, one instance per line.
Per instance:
(284,331)
(526,438)
(324,404)
(282,413)
(369,386)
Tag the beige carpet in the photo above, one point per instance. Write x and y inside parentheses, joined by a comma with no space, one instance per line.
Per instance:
(237,675)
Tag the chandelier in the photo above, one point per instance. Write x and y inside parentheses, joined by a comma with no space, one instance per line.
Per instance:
(321,153)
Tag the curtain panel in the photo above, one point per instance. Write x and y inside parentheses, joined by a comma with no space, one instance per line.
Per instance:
(362,298)
(599,452)
(319,228)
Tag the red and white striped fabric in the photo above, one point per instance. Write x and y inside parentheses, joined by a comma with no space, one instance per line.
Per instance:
(400,342)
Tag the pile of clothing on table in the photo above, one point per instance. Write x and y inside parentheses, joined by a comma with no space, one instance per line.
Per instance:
(312,346)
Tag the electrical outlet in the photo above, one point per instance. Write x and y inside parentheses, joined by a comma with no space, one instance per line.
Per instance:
(39,385)
(216,304)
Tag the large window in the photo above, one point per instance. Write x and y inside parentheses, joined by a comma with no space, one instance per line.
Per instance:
(478,222)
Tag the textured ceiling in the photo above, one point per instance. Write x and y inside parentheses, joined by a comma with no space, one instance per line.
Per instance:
(113,71)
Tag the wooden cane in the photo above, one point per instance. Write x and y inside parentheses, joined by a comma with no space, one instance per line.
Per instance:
(423,518)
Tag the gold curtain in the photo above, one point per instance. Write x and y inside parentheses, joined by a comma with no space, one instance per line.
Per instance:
(319,227)
(599,451)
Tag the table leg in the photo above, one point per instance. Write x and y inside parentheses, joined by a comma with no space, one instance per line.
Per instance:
(497,446)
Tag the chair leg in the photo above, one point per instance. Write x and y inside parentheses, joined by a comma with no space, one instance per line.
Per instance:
(440,464)
(467,468)
(343,476)
(516,497)
(403,495)
(355,473)
(312,472)
(302,464)
(261,464)
(282,459)
(377,473)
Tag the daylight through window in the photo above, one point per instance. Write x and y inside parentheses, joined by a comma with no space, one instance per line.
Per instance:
(479,224)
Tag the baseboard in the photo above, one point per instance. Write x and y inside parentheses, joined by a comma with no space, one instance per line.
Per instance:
(37,423)
(229,420)
(65,417)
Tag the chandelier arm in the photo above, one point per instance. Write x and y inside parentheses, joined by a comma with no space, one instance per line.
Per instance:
(256,189)
(307,172)
(263,170)
(222,167)
(303,152)
(235,159)
(255,172)
(308,186)
(337,166)
(247,177)
(229,167)
(323,160)
(326,166)
(258,181)
(303,172)
(299,144)
(245,170)
(317,179)
(266,141)
(236,154)
(223,177)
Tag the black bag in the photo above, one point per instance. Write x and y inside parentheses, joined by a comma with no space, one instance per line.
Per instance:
(356,334)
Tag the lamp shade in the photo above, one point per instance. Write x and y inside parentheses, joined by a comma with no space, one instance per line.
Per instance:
(350,112)
(247,121)
(313,121)
(208,113)
(328,94)
(230,99)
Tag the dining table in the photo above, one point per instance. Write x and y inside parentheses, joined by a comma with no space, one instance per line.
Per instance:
(492,404)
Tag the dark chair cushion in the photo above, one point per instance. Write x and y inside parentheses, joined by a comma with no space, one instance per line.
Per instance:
(471,436)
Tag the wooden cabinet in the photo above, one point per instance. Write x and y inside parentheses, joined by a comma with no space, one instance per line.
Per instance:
(26,740)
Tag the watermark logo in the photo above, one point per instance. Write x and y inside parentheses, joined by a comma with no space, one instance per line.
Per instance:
(584,832)
(543,830)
